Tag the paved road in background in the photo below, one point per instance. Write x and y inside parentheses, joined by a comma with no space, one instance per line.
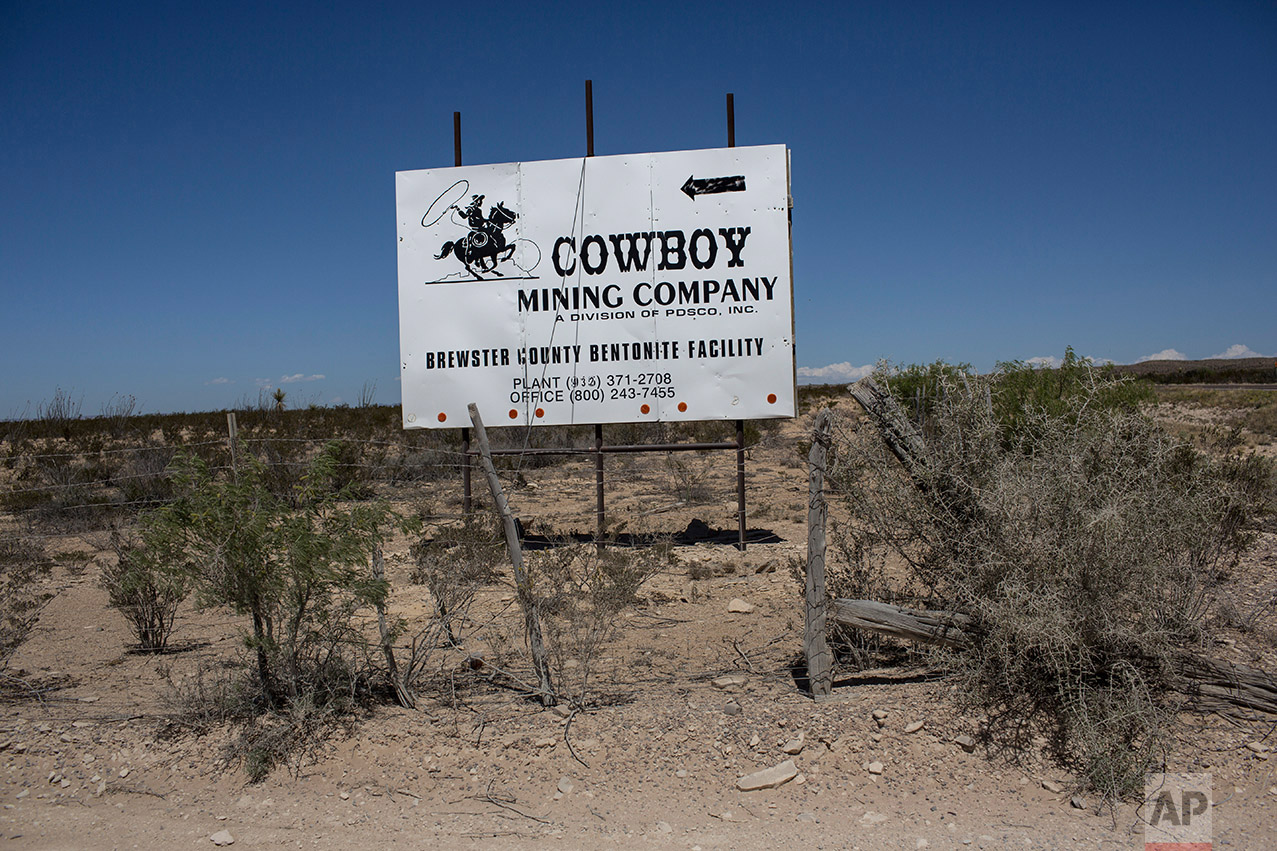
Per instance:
(1220,386)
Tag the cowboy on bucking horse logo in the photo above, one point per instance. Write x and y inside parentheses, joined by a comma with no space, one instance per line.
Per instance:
(485,246)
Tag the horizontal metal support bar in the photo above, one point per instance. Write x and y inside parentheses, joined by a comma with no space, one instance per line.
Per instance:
(669,447)
(647,447)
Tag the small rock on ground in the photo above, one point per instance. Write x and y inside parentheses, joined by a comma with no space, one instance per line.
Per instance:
(768,778)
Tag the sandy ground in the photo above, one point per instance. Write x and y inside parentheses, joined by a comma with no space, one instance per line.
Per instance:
(97,762)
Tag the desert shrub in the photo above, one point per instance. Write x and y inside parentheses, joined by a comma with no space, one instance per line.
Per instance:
(75,562)
(857,572)
(299,570)
(57,417)
(147,581)
(1253,371)
(419,465)
(65,492)
(62,485)
(1262,420)
(453,562)
(294,735)
(458,555)
(1081,539)
(1017,391)
(23,567)
(280,465)
(117,412)
(1023,393)
(580,592)
(367,395)
(300,574)
(687,475)
(143,477)
(351,464)
(228,694)
(14,433)
(919,388)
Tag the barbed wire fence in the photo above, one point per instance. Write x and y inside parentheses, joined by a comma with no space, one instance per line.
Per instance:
(53,487)
(66,491)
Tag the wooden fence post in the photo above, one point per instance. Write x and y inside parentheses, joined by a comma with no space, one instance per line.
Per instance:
(820,670)
(523,588)
(232,440)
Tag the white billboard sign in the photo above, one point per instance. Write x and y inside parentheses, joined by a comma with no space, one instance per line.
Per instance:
(613,289)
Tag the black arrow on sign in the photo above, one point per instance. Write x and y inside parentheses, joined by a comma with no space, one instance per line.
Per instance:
(713,185)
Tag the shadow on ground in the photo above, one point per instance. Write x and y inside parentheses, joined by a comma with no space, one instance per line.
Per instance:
(697,532)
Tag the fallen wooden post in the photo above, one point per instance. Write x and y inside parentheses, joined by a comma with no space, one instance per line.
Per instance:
(943,628)
(1199,678)
(1228,683)
(1221,682)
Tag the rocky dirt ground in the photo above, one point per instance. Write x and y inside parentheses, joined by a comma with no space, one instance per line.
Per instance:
(694,696)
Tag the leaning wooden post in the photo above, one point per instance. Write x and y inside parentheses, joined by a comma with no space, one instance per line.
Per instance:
(523,587)
(406,698)
(820,671)
(232,440)
(466,503)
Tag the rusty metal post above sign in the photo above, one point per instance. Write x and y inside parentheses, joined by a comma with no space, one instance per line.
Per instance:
(570,324)
(467,499)
(456,138)
(731,120)
(589,118)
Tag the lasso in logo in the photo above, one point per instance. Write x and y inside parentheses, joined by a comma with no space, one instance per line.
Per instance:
(486,246)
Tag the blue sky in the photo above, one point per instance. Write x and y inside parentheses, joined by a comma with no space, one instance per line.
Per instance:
(197,199)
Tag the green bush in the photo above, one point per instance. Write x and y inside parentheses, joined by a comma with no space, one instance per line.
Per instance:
(300,573)
(920,387)
(147,582)
(299,570)
(1022,393)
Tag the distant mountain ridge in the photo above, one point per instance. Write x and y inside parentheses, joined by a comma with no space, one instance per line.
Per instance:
(1208,371)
